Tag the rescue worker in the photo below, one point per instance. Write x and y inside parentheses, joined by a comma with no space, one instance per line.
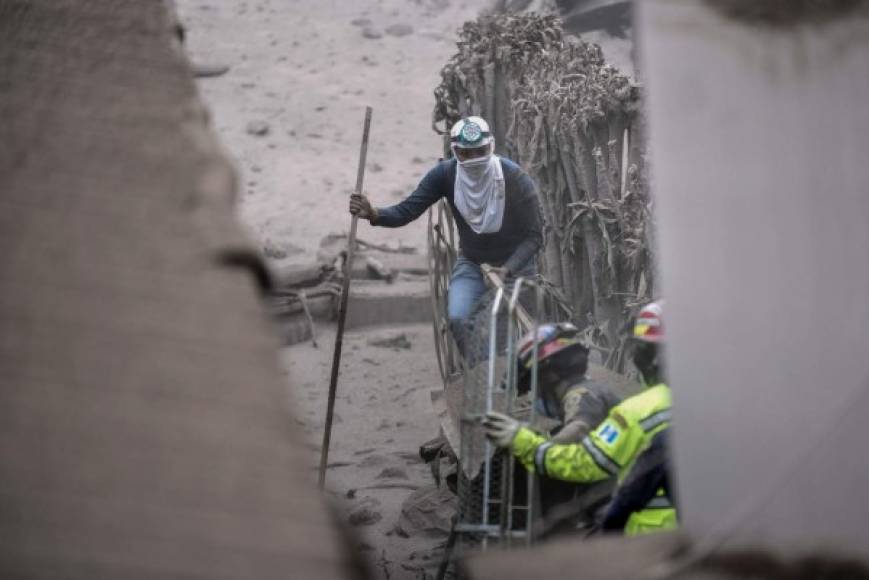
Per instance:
(496,209)
(611,449)
(566,394)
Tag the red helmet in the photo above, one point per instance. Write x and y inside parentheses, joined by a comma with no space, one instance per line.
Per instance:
(649,326)
(552,339)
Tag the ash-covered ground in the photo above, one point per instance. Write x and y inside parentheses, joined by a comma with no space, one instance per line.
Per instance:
(289,110)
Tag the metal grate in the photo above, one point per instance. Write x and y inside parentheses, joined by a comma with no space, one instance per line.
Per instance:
(496,499)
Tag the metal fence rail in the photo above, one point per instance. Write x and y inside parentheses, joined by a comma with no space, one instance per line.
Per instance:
(496,502)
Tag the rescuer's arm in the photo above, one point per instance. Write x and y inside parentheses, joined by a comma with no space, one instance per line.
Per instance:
(429,190)
(593,459)
(573,431)
(583,409)
(571,462)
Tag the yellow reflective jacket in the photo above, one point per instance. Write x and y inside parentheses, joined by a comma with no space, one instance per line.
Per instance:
(608,451)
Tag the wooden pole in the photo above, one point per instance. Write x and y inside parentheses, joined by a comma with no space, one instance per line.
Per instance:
(342,311)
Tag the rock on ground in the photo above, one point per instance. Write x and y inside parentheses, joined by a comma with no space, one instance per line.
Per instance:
(392,473)
(364,516)
(371,33)
(399,30)
(257,128)
(427,512)
(398,342)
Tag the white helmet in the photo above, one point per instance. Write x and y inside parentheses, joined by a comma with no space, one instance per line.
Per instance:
(470,133)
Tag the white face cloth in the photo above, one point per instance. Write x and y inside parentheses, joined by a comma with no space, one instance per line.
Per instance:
(479,193)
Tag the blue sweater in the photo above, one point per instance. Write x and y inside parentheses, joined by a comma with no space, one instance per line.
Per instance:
(512,247)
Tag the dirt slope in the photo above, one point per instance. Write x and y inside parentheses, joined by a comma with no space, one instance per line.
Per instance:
(302,72)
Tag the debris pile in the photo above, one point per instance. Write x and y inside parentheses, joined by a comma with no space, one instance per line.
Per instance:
(390,287)
(574,124)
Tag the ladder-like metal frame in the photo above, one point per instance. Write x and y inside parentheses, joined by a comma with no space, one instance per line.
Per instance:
(519,322)
(442,256)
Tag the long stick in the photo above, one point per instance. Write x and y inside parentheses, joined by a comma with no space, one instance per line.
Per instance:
(342,312)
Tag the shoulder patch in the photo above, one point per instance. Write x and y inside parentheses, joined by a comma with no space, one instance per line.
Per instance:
(608,433)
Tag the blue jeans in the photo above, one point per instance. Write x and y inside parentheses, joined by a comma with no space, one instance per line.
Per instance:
(467,286)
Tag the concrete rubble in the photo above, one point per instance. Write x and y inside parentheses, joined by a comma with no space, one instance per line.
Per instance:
(389,286)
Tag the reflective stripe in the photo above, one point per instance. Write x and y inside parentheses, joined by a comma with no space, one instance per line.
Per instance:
(600,458)
(659,502)
(655,420)
(540,457)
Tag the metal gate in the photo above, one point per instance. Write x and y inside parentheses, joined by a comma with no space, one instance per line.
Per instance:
(496,500)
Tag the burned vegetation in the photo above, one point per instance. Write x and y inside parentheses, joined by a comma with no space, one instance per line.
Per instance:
(575,124)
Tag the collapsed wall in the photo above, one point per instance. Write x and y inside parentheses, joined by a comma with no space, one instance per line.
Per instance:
(760,139)
(144,417)
(574,124)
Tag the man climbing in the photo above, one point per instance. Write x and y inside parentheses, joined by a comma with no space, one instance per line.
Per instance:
(613,447)
(496,209)
(567,395)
